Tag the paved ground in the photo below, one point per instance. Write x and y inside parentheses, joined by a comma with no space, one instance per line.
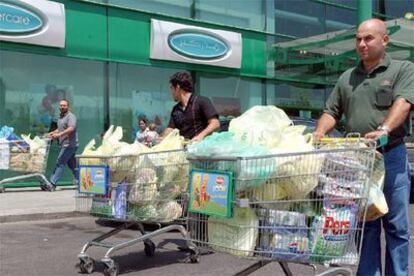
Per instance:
(32,203)
(50,247)
(34,242)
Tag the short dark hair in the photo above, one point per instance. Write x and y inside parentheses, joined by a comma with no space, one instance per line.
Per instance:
(142,118)
(183,79)
(65,100)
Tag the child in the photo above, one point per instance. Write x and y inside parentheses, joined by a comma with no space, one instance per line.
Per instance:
(152,135)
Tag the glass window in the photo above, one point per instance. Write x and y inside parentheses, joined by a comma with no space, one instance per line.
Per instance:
(393,8)
(299,18)
(181,8)
(31,86)
(230,95)
(139,92)
(238,13)
(293,97)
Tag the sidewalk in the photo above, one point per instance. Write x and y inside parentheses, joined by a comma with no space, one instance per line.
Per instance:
(33,204)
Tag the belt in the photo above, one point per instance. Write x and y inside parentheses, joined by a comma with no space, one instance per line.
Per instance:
(391,145)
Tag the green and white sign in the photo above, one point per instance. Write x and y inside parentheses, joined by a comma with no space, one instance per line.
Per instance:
(192,44)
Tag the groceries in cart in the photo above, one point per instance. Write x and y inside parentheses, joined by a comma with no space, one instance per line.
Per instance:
(22,154)
(293,200)
(283,235)
(331,231)
(144,184)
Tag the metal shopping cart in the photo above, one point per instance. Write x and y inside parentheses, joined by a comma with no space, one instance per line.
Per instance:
(304,207)
(16,156)
(149,188)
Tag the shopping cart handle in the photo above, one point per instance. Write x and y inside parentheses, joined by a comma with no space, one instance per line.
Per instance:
(340,140)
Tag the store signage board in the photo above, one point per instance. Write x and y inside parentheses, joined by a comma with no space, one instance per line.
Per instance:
(15,19)
(37,22)
(192,44)
(198,45)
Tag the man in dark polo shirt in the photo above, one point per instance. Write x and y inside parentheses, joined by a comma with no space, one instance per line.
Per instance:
(376,98)
(68,142)
(195,116)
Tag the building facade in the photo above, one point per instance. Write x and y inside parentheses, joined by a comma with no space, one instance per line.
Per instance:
(291,53)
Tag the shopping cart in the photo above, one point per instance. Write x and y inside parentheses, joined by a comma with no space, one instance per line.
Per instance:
(306,208)
(149,188)
(16,156)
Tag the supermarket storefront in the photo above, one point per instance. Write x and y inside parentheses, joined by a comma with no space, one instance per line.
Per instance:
(104,64)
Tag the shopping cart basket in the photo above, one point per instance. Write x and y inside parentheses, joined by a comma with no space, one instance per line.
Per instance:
(304,207)
(148,188)
(16,156)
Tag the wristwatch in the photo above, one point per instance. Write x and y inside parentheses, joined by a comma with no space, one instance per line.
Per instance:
(384,128)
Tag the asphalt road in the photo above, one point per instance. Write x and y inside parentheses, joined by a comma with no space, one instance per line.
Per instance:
(51,248)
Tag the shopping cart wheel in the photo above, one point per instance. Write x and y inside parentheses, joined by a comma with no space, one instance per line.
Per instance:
(112,270)
(194,258)
(87,265)
(149,248)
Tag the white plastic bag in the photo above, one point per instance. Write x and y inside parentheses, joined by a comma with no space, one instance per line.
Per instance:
(377,205)
(236,235)
(260,125)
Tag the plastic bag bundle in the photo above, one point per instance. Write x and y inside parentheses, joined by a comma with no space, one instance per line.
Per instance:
(224,144)
(143,213)
(36,145)
(169,211)
(260,125)
(173,141)
(249,173)
(144,190)
(6,132)
(236,235)
(377,205)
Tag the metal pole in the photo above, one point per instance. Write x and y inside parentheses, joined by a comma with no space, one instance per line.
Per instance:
(364,9)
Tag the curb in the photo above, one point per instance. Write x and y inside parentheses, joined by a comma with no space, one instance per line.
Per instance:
(41,216)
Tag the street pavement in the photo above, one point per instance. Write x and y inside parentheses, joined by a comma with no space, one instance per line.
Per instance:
(32,203)
(42,234)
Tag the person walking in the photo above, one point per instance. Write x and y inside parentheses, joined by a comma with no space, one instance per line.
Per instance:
(67,136)
(376,98)
(194,116)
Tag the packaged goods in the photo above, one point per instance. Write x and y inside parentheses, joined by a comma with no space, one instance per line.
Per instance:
(119,203)
(332,231)
(284,235)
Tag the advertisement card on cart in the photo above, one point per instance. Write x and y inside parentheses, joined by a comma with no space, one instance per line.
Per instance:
(94,179)
(211,193)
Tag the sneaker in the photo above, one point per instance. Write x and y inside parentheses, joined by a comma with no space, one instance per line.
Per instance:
(48,187)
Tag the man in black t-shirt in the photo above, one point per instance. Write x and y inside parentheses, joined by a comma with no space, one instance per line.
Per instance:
(195,116)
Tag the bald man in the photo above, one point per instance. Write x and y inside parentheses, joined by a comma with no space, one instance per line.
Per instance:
(376,98)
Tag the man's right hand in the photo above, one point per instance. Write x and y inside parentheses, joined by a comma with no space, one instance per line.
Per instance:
(318,135)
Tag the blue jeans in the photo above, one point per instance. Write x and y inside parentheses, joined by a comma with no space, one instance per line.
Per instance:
(395,223)
(66,157)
